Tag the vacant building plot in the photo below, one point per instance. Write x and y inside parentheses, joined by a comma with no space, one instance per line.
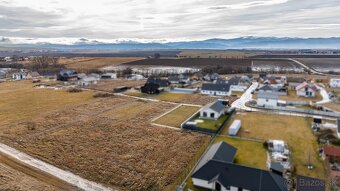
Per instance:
(84,64)
(109,85)
(176,117)
(295,131)
(197,99)
(106,140)
(322,64)
(20,101)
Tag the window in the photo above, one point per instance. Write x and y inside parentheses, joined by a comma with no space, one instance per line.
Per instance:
(267,100)
(240,189)
(212,115)
(205,114)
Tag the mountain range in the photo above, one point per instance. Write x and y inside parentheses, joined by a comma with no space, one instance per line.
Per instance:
(216,43)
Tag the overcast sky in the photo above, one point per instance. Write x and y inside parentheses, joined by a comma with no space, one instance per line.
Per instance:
(167,19)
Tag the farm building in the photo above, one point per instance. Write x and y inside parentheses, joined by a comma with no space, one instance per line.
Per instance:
(267,99)
(334,83)
(235,127)
(213,110)
(216,171)
(306,90)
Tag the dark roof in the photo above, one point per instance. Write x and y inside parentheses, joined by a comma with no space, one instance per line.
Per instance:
(234,80)
(217,106)
(159,81)
(220,151)
(229,174)
(266,88)
(267,95)
(216,87)
(173,78)
(276,166)
(68,73)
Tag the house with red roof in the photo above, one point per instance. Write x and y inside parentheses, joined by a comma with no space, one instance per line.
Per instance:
(306,90)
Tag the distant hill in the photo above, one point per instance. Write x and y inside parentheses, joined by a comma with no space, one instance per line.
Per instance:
(236,43)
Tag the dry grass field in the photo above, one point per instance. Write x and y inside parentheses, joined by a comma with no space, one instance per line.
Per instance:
(322,64)
(176,117)
(109,85)
(294,130)
(107,140)
(20,101)
(13,180)
(84,64)
(197,99)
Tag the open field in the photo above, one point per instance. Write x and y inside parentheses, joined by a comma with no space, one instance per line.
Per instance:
(332,106)
(294,130)
(106,140)
(176,117)
(292,96)
(215,54)
(192,62)
(20,101)
(85,64)
(197,99)
(322,64)
(109,85)
(271,64)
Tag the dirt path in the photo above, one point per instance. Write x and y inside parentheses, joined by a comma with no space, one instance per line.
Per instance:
(35,173)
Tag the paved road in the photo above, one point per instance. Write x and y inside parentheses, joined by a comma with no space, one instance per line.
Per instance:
(324,94)
(41,169)
(307,67)
(246,96)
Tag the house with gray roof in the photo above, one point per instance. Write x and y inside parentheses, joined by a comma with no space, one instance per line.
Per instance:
(213,110)
(267,99)
(217,89)
(216,171)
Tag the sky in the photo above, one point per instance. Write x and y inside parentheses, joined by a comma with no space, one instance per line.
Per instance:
(165,20)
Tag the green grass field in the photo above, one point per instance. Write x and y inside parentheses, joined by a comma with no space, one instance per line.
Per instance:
(293,130)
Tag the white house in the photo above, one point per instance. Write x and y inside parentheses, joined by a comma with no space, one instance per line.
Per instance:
(267,99)
(89,80)
(213,110)
(334,83)
(216,89)
(306,90)
(234,127)
(19,76)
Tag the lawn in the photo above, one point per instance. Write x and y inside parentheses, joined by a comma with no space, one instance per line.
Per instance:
(249,153)
(20,101)
(294,130)
(292,96)
(176,117)
(210,123)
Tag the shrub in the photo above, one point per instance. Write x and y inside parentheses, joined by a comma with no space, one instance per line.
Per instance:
(74,90)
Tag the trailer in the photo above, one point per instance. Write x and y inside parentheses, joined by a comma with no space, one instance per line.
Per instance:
(234,127)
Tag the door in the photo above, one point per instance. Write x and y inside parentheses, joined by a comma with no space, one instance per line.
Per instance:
(217,186)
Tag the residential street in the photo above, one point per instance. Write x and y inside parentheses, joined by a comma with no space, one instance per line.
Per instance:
(246,96)
(324,94)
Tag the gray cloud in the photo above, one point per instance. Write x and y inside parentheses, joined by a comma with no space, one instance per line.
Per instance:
(150,19)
